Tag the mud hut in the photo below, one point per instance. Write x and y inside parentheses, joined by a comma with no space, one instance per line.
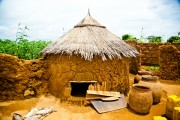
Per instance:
(88,56)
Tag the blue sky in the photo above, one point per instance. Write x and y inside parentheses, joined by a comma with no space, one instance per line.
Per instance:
(50,19)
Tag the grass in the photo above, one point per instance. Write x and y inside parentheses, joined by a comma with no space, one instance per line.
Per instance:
(153,68)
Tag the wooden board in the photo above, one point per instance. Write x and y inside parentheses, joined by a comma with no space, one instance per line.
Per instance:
(106,106)
(83,81)
(104,93)
(100,97)
(109,98)
(94,97)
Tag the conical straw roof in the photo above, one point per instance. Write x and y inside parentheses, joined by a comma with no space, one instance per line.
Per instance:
(89,38)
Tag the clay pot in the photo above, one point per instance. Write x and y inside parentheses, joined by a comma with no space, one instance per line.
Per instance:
(150,78)
(137,78)
(140,99)
(144,73)
(153,83)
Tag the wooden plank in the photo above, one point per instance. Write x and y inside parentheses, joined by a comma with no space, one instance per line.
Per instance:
(106,106)
(100,97)
(93,97)
(83,81)
(104,93)
(109,98)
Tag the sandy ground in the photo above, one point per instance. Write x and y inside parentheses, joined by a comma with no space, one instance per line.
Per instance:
(74,112)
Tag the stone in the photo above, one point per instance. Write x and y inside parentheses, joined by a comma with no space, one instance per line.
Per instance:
(29,92)
(39,74)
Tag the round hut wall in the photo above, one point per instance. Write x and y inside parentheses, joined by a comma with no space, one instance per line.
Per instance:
(64,69)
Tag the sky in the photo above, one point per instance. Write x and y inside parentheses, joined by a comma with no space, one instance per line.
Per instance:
(50,19)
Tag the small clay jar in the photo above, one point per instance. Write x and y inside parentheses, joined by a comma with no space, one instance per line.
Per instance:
(137,78)
(154,84)
(140,99)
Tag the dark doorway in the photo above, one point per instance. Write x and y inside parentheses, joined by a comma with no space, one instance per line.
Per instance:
(79,89)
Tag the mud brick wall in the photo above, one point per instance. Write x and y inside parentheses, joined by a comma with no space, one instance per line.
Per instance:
(150,52)
(17,76)
(166,55)
(169,61)
(177,45)
(135,62)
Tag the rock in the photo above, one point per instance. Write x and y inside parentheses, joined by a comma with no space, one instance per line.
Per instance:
(144,73)
(29,92)
(39,74)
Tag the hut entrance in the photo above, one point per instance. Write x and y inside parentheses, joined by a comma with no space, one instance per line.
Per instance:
(79,88)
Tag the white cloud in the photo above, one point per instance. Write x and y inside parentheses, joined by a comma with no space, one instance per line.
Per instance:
(47,18)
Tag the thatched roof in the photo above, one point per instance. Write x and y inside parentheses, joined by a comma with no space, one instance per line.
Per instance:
(89,38)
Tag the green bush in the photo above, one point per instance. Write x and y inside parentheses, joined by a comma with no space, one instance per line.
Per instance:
(174,39)
(154,39)
(23,49)
(128,37)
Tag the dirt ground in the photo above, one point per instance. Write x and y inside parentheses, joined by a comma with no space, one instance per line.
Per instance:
(74,112)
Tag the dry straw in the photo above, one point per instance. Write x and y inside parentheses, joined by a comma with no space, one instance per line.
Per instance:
(89,38)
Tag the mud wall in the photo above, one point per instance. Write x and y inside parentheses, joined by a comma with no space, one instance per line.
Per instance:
(65,68)
(135,62)
(166,55)
(169,61)
(150,52)
(18,76)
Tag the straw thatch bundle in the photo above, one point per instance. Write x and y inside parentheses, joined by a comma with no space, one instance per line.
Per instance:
(89,38)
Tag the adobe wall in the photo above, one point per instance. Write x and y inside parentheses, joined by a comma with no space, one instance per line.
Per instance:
(18,76)
(149,52)
(166,55)
(67,68)
(169,62)
(135,62)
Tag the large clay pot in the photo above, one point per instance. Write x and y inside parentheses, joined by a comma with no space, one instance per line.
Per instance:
(140,99)
(154,84)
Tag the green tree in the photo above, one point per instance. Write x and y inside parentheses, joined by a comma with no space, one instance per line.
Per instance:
(154,39)
(128,37)
(174,39)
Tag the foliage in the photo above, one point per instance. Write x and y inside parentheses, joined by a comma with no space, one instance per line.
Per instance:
(128,37)
(154,39)
(153,68)
(174,39)
(22,47)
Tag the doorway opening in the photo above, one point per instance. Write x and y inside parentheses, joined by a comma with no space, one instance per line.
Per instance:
(79,88)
